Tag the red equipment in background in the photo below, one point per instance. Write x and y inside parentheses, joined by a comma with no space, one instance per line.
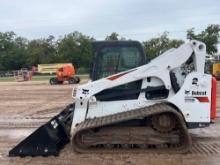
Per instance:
(22,75)
(65,73)
(214,96)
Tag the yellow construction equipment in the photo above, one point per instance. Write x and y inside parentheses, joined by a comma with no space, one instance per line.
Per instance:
(51,68)
(216,70)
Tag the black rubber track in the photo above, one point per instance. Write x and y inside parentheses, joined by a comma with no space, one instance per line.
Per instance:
(186,142)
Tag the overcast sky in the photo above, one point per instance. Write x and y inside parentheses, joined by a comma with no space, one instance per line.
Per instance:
(135,19)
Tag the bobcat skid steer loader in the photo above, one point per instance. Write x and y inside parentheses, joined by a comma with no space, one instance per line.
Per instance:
(131,105)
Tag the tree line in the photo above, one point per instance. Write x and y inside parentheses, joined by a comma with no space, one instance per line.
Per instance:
(18,52)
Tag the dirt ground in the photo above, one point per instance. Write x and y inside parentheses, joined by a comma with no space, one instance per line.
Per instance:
(27,105)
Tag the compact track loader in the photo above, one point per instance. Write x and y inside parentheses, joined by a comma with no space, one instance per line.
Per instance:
(131,105)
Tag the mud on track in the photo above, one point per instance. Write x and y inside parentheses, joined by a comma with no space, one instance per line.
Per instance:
(25,106)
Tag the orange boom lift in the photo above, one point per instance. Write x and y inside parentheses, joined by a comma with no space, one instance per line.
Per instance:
(65,73)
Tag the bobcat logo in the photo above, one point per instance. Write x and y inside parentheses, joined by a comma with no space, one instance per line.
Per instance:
(194,81)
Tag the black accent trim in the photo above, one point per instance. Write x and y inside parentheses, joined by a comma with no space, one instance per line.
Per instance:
(129,91)
(159,92)
(174,82)
(116,95)
(193,125)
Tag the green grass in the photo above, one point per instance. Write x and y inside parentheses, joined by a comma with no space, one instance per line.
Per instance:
(39,78)
(6,79)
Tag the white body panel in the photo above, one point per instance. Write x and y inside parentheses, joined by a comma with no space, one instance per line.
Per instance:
(186,99)
(192,109)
